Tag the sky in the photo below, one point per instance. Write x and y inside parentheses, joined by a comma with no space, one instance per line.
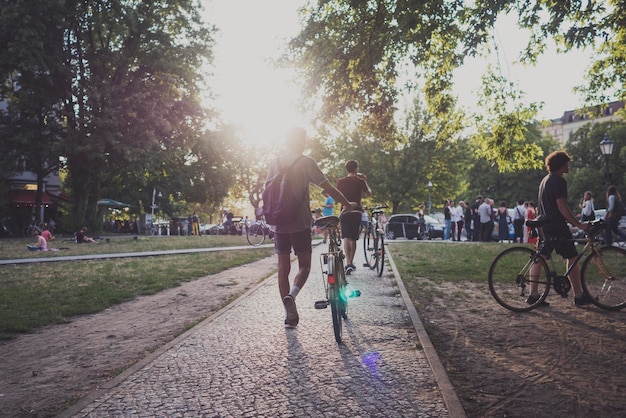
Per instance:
(259,99)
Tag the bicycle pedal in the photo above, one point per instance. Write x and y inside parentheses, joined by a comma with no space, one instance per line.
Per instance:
(321,304)
(366,264)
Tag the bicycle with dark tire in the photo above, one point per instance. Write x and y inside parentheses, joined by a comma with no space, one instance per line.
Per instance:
(374,241)
(257,232)
(602,273)
(333,275)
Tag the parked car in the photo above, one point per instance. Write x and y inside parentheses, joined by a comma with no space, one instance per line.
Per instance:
(406,226)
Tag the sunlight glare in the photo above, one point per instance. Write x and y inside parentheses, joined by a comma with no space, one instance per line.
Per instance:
(250,93)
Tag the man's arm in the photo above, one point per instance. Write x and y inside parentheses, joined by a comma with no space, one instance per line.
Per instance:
(561,203)
(337,195)
(363,177)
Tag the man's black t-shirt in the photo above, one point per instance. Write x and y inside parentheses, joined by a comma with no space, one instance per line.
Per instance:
(553,187)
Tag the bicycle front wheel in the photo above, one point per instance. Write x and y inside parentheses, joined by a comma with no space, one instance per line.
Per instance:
(603,277)
(380,255)
(255,234)
(338,299)
(510,279)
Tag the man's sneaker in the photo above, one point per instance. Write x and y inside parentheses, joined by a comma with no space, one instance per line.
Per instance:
(531,299)
(292,313)
(582,300)
(349,269)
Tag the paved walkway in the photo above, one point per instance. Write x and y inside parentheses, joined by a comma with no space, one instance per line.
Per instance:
(243,362)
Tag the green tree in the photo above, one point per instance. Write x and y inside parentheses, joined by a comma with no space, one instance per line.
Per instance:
(588,165)
(134,100)
(32,77)
(485,179)
(354,54)
(398,168)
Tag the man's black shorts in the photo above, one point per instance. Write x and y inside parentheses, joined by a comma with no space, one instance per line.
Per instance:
(351,225)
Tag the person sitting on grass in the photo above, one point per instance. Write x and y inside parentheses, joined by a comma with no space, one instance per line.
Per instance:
(81,238)
(42,244)
(47,234)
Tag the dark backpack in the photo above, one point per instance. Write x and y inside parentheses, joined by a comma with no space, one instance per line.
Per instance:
(280,202)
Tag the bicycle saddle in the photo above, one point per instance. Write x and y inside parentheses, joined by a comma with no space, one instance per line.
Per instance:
(536,223)
(327,221)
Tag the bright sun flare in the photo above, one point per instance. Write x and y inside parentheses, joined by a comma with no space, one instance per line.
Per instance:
(250,93)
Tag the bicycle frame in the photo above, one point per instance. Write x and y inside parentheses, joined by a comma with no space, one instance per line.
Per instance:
(590,245)
(601,273)
(333,275)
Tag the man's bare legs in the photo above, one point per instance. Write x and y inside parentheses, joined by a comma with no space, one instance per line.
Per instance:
(574,278)
(284,268)
(349,248)
(288,293)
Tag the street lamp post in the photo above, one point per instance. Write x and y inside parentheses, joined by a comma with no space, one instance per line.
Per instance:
(606,147)
(430,186)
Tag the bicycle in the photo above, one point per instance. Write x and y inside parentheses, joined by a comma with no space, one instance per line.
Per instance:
(374,242)
(601,274)
(257,232)
(333,276)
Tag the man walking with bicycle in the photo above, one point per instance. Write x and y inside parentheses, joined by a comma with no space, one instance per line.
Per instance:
(353,186)
(552,204)
(296,234)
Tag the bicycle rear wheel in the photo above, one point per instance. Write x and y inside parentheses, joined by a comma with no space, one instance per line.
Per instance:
(509,279)
(380,255)
(255,234)
(603,277)
(368,243)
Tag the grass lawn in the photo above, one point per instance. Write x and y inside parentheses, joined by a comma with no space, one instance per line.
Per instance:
(35,295)
(424,266)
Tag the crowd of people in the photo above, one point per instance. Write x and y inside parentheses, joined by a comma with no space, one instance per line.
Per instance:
(479,219)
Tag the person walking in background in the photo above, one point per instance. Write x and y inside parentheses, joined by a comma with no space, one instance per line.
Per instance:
(613,215)
(460,214)
(476,233)
(447,218)
(552,204)
(485,212)
(364,222)
(195,224)
(469,222)
(531,214)
(353,186)
(296,235)
(454,218)
(519,215)
(503,223)
(587,208)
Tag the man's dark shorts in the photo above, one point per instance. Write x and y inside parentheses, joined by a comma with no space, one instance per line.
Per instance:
(299,241)
(351,225)
(563,245)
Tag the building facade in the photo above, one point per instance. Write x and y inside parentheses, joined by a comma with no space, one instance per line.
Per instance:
(562,128)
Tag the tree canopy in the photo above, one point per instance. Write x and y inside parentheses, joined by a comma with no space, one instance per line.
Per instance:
(357,57)
(113,88)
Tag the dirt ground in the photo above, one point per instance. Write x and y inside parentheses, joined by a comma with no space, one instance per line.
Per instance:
(559,361)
